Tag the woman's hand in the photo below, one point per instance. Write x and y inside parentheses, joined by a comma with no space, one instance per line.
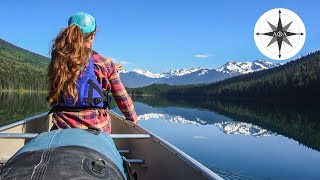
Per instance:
(119,67)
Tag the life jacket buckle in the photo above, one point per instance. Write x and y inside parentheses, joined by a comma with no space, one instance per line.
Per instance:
(97,101)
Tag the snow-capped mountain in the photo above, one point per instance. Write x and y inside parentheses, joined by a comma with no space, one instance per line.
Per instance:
(233,127)
(179,72)
(237,68)
(140,78)
(202,76)
(148,73)
(166,74)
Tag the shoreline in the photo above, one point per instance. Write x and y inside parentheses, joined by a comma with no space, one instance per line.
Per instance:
(22,91)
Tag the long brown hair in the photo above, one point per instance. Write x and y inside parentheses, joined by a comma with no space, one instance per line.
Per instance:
(69,55)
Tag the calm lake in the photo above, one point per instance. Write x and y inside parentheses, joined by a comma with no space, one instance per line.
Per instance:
(237,140)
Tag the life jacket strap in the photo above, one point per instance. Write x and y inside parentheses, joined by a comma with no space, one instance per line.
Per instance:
(105,97)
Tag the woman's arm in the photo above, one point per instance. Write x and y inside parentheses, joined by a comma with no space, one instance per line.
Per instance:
(106,72)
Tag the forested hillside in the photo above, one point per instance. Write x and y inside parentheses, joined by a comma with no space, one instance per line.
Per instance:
(21,69)
(298,79)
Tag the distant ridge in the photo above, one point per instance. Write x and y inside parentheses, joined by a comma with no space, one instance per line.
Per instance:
(140,78)
(238,68)
(298,79)
(21,69)
(36,59)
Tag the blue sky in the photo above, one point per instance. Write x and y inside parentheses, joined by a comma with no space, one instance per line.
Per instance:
(157,35)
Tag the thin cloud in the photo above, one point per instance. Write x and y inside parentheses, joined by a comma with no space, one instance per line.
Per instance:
(123,62)
(203,56)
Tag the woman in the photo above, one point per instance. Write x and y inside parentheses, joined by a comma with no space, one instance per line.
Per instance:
(80,78)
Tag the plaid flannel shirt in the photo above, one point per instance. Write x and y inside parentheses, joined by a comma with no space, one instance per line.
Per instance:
(108,77)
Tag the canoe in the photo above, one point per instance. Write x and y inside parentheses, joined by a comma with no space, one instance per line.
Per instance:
(150,156)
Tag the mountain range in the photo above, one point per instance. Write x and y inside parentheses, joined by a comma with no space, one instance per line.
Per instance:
(295,81)
(140,78)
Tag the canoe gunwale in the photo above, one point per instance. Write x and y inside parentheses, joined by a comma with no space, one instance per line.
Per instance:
(12,125)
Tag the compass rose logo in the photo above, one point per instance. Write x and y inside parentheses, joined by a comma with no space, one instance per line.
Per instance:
(279,34)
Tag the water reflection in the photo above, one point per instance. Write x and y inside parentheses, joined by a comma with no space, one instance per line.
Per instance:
(299,122)
(171,118)
(17,106)
(238,140)
(228,127)
(233,127)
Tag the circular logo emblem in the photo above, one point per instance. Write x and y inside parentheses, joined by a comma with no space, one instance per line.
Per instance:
(279,34)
